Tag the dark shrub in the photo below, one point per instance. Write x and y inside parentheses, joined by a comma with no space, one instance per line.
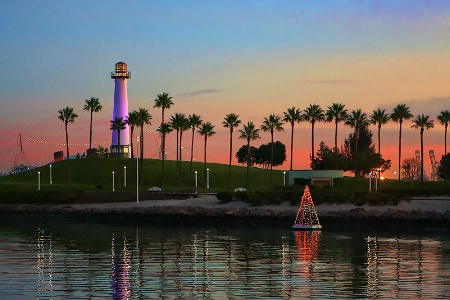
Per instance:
(225,197)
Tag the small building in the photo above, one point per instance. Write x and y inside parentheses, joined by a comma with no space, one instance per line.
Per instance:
(317,177)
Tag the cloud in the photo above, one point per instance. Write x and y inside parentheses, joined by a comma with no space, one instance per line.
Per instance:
(432,106)
(331,81)
(199,92)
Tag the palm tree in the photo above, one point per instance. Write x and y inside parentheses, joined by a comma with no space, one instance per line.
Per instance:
(67,116)
(444,118)
(249,132)
(206,129)
(423,122)
(163,101)
(194,121)
(143,118)
(177,122)
(132,120)
(292,115)
(313,113)
(272,123)
(356,119)
(379,117)
(184,125)
(118,124)
(400,113)
(92,105)
(164,129)
(338,113)
(231,121)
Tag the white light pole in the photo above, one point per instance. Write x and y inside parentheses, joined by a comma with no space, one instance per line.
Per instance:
(370,182)
(137,172)
(284,177)
(125,176)
(113,181)
(39,181)
(51,182)
(195,179)
(207,179)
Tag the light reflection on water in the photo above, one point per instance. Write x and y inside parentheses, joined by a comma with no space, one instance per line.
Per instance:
(82,261)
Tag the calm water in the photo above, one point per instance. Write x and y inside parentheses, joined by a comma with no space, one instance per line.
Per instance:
(69,259)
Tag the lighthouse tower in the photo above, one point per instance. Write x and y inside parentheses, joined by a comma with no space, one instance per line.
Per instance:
(120,76)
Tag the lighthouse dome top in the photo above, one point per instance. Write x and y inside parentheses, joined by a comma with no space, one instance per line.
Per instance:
(121,71)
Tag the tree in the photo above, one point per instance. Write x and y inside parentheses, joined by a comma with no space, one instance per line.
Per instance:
(442,171)
(379,117)
(292,115)
(163,101)
(325,159)
(356,119)
(118,124)
(444,119)
(132,121)
(399,114)
(313,113)
(410,169)
(92,105)
(271,124)
(164,129)
(206,130)
(249,133)
(144,118)
(182,124)
(265,157)
(67,115)
(194,121)
(338,113)
(242,155)
(231,121)
(422,122)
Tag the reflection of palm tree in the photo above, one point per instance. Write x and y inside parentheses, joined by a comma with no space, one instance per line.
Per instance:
(118,125)
(249,132)
(194,121)
(400,113)
(231,121)
(92,105)
(132,120)
(292,115)
(422,122)
(444,119)
(379,117)
(313,113)
(272,123)
(67,116)
(164,129)
(206,129)
(356,119)
(338,113)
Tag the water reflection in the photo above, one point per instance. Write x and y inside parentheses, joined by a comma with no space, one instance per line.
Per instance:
(149,263)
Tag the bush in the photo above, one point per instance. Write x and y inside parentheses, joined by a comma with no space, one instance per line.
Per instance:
(241,195)
(225,197)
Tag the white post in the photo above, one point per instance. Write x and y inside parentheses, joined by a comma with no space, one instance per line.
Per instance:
(51,182)
(137,172)
(376,183)
(39,181)
(195,179)
(207,179)
(125,176)
(284,177)
(113,181)
(370,182)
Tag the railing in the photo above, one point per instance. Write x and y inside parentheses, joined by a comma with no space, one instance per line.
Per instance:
(126,74)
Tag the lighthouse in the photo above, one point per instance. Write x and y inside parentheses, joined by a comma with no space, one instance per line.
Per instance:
(120,76)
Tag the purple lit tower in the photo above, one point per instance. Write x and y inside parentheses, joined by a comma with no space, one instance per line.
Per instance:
(120,76)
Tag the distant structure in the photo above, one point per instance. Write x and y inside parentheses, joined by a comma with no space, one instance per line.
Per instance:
(434,166)
(120,76)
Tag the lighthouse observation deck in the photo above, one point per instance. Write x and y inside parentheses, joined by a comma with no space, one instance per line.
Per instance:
(121,71)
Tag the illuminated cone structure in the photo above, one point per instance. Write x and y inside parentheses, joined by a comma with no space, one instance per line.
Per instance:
(306,215)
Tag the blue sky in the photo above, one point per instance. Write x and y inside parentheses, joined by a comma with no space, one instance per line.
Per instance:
(253,58)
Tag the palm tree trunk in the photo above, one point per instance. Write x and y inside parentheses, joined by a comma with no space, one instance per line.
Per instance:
(131,140)
(271,161)
(445,153)
(421,156)
(399,150)
(67,148)
(179,163)
(90,147)
(90,132)
(335,143)
(229,164)
(312,142)
(204,164)
(356,158)
(248,162)
(379,139)
(163,157)
(192,153)
(292,142)
(141,163)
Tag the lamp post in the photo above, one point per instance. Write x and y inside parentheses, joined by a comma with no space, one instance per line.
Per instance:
(113,181)
(195,179)
(137,172)
(39,181)
(51,182)
(125,176)
(207,179)
(284,177)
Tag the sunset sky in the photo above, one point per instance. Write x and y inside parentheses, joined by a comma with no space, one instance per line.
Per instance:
(252,58)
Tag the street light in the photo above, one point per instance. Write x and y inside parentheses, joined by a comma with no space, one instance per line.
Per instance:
(207,179)
(39,181)
(113,181)
(125,176)
(195,179)
(51,182)
(284,177)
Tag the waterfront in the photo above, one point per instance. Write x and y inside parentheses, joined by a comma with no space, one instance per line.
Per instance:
(45,258)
